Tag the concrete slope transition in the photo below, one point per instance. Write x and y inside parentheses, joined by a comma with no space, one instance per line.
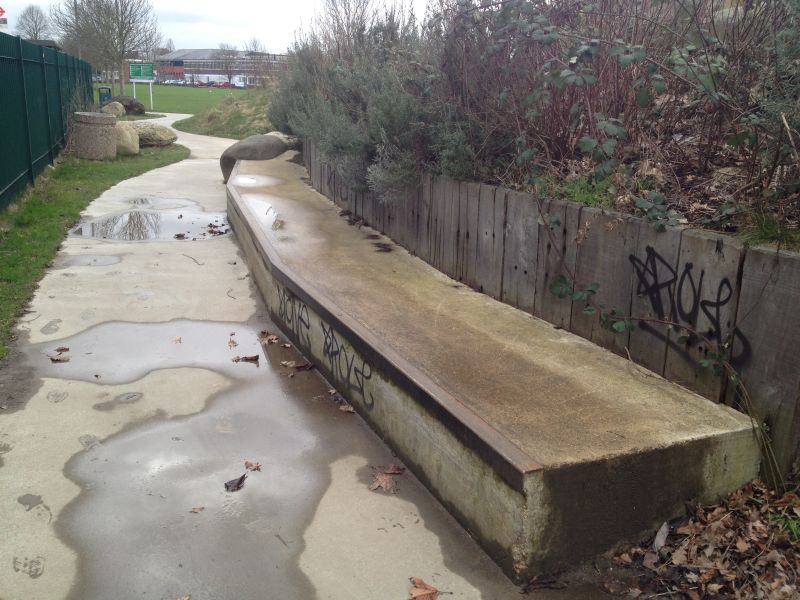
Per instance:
(547,448)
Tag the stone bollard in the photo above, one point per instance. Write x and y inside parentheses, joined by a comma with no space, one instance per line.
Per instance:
(93,135)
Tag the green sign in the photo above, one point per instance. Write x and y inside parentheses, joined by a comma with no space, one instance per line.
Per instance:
(141,71)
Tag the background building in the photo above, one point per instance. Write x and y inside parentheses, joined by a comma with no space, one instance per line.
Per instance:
(239,67)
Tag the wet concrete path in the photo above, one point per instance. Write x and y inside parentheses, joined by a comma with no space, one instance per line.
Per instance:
(104,455)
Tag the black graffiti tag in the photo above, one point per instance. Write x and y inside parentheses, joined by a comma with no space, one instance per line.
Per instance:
(345,366)
(679,299)
(294,313)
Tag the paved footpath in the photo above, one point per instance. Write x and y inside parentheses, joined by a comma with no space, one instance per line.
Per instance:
(102,457)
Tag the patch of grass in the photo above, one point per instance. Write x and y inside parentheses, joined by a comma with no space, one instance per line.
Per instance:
(143,117)
(765,229)
(583,190)
(33,227)
(234,118)
(180,99)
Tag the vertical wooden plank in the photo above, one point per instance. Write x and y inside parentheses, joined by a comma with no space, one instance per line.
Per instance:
(491,227)
(655,267)
(470,201)
(604,240)
(706,298)
(412,219)
(448,227)
(521,248)
(558,251)
(765,345)
(424,246)
(438,203)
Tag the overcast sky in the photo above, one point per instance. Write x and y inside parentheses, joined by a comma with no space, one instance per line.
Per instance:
(207,23)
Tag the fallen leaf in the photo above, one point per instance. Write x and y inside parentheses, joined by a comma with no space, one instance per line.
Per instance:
(234,485)
(287,363)
(345,407)
(392,469)
(304,367)
(742,545)
(197,509)
(62,349)
(332,392)
(250,359)
(180,236)
(273,339)
(177,340)
(421,590)
(661,537)
(59,359)
(232,343)
(252,466)
(286,345)
(650,560)
(382,480)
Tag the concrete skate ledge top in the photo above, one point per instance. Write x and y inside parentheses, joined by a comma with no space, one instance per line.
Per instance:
(521,393)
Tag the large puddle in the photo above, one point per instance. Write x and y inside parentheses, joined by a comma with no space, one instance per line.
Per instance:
(143,225)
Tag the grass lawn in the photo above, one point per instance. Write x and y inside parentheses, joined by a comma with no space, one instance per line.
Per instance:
(33,227)
(232,117)
(143,117)
(178,99)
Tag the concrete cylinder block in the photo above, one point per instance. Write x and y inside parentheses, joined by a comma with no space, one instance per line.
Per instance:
(93,135)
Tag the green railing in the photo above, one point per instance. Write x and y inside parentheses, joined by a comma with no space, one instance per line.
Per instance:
(39,88)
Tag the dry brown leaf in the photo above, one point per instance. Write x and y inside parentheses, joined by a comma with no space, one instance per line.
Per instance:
(273,339)
(287,363)
(59,359)
(650,560)
(332,392)
(232,343)
(197,509)
(345,407)
(252,466)
(384,481)
(250,359)
(392,469)
(421,590)
(742,545)
(62,349)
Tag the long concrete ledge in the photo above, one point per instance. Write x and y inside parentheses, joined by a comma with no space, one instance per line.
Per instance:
(547,448)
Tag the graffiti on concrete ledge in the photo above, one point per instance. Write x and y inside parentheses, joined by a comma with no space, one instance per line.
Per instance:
(680,299)
(294,313)
(345,366)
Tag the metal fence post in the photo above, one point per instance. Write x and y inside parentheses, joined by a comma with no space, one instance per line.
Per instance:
(47,107)
(27,112)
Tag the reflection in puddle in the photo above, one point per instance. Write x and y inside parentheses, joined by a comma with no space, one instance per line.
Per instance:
(156,202)
(140,225)
(255,181)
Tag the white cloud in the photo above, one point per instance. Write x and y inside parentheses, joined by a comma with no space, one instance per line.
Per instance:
(207,23)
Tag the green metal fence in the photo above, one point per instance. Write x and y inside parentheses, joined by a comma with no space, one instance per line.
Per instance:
(39,88)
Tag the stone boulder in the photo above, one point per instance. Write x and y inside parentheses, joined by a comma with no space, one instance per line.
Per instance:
(153,134)
(127,139)
(114,108)
(131,104)
(255,147)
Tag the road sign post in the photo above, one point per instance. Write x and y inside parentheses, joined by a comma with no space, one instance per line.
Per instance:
(142,73)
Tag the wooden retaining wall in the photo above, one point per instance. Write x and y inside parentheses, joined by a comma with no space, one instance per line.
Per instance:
(497,242)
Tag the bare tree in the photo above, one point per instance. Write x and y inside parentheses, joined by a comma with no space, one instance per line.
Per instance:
(227,55)
(33,23)
(67,20)
(254,45)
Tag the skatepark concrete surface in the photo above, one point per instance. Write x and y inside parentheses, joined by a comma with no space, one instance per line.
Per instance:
(123,413)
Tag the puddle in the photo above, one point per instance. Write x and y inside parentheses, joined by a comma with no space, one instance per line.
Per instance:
(143,225)
(86,260)
(119,352)
(265,213)
(255,181)
(161,203)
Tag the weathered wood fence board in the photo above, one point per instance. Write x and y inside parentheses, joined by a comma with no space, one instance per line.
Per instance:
(493,240)
(655,267)
(521,248)
(705,300)
(765,347)
(604,241)
(491,230)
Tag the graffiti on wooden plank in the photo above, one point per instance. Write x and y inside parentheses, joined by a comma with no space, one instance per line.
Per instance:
(679,297)
(345,366)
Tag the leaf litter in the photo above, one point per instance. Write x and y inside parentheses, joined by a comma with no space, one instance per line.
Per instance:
(252,466)
(234,485)
(745,546)
(384,477)
(248,359)
(420,590)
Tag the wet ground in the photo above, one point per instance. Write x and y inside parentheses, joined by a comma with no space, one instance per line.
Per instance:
(123,413)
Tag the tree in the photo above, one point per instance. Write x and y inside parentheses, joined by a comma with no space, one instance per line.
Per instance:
(33,23)
(254,45)
(111,30)
(66,19)
(227,55)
